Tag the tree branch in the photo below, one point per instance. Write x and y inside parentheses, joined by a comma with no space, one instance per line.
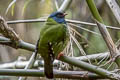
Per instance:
(8,32)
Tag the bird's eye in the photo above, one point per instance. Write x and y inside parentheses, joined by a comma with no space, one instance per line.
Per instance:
(60,15)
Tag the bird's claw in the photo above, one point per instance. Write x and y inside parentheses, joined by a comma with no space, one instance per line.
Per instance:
(59,55)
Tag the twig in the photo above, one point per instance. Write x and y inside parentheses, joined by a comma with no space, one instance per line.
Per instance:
(68,20)
(26,21)
(85,29)
(80,35)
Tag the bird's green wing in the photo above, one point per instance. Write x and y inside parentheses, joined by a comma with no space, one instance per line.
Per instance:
(55,34)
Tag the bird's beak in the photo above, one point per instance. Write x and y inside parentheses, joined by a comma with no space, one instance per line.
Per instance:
(65,14)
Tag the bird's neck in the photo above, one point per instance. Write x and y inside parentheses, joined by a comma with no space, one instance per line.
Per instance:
(52,21)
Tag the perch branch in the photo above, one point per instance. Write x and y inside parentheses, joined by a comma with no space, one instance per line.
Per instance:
(22,64)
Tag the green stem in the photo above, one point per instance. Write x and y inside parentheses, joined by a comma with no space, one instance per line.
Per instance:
(89,67)
(94,10)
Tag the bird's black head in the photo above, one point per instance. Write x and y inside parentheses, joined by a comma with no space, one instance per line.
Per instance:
(58,17)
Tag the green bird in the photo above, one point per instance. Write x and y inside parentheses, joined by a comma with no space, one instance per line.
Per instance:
(53,38)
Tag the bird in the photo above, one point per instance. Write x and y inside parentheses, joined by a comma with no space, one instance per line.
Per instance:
(54,36)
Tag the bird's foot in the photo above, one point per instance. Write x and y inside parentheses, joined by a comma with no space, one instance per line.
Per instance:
(59,55)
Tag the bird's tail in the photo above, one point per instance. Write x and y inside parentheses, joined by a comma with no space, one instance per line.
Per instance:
(48,68)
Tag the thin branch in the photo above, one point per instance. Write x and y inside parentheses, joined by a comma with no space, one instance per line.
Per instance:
(92,57)
(26,21)
(85,29)
(21,44)
(57,74)
(68,20)
(22,64)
